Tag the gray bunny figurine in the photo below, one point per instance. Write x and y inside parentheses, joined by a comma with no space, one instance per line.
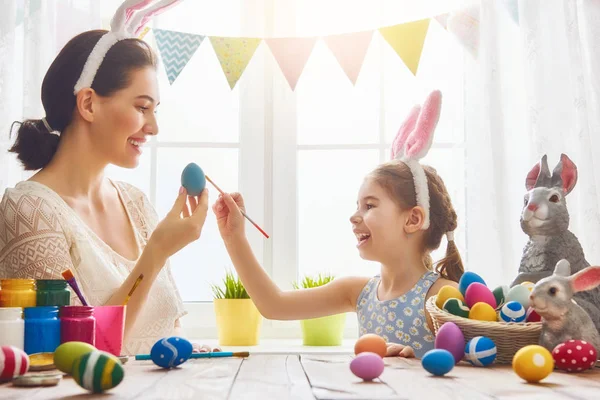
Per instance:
(545,220)
(562,318)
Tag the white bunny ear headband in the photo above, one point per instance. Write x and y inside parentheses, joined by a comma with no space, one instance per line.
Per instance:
(413,142)
(127,23)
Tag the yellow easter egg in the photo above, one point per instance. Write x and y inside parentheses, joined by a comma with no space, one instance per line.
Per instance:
(528,285)
(483,312)
(448,292)
(533,363)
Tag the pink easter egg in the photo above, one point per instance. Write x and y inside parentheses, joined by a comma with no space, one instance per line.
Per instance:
(450,337)
(479,293)
(13,362)
(367,366)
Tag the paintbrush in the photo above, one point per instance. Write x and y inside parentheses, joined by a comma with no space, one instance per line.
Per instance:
(214,354)
(135,285)
(68,275)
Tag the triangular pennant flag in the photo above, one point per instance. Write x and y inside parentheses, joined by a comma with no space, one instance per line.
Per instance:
(234,54)
(512,6)
(176,49)
(464,25)
(143,33)
(407,40)
(443,20)
(20,13)
(34,6)
(291,54)
(350,50)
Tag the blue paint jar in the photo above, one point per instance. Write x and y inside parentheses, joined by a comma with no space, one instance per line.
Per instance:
(42,329)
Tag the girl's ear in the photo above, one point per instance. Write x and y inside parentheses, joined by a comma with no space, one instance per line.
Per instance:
(415,219)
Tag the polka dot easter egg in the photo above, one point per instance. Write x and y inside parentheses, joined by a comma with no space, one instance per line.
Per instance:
(519,293)
(438,362)
(456,307)
(479,293)
(480,351)
(171,352)
(13,362)
(367,366)
(193,179)
(370,343)
(512,311)
(98,371)
(533,363)
(448,292)
(483,312)
(450,337)
(467,279)
(574,356)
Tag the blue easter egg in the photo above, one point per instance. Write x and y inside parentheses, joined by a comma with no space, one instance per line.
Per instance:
(480,351)
(468,278)
(171,352)
(438,362)
(193,179)
(512,311)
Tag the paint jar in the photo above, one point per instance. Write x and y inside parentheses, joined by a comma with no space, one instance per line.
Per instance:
(78,324)
(52,292)
(17,293)
(42,329)
(12,327)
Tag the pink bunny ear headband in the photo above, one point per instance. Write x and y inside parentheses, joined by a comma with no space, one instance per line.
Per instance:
(127,23)
(413,142)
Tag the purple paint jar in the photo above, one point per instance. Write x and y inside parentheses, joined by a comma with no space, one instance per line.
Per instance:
(77,324)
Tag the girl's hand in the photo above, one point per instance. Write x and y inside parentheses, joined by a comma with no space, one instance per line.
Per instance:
(181,226)
(229,218)
(398,350)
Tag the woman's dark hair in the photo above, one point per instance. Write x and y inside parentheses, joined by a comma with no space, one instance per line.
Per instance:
(35,145)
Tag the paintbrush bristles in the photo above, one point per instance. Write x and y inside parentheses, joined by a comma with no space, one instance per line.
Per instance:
(67,274)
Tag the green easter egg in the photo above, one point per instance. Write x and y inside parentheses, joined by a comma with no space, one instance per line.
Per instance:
(98,371)
(456,307)
(66,354)
(500,294)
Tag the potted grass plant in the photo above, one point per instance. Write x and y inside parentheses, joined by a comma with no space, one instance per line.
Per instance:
(323,331)
(238,319)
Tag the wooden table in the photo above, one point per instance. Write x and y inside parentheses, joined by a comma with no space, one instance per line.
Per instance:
(300,377)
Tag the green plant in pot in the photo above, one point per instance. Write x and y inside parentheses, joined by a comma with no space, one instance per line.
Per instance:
(238,319)
(323,331)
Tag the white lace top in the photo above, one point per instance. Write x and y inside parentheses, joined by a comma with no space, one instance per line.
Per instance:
(41,236)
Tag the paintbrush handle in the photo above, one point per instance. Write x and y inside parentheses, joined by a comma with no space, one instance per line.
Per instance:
(215,354)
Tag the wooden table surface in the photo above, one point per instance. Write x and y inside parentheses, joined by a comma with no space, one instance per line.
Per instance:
(293,376)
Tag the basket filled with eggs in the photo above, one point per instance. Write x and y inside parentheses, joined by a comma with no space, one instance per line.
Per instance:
(502,314)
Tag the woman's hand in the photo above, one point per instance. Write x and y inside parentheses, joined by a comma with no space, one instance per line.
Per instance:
(181,226)
(229,217)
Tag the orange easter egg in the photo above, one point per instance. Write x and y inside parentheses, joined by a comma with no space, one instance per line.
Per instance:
(370,343)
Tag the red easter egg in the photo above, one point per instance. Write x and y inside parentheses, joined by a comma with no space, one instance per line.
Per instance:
(574,355)
(532,316)
(13,362)
(479,293)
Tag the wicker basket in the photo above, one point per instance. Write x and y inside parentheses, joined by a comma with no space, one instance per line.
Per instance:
(508,337)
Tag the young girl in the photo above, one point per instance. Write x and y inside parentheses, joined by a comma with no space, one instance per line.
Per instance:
(403,212)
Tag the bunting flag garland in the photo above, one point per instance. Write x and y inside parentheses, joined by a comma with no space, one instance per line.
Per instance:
(176,50)
(234,54)
(464,25)
(291,54)
(443,20)
(407,40)
(350,50)
(512,6)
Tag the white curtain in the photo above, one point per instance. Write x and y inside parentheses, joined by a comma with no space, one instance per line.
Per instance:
(534,90)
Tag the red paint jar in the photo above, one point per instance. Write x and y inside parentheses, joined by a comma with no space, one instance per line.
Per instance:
(77,324)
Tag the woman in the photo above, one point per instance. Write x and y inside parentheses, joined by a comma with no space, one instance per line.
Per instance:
(69,215)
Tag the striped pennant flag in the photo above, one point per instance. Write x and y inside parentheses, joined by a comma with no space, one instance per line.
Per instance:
(176,49)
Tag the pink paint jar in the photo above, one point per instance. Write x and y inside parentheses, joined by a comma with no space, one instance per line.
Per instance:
(77,324)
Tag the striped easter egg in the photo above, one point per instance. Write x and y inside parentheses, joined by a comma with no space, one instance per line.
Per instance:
(171,352)
(480,351)
(98,371)
(13,362)
(512,311)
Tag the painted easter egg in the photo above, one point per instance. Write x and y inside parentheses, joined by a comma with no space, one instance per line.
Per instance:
(193,179)
(479,293)
(448,292)
(500,294)
(533,363)
(367,366)
(466,279)
(483,312)
(370,343)
(13,362)
(98,371)
(532,316)
(512,311)
(66,354)
(456,307)
(480,351)
(574,355)
(528,285)
(450,337)
(519,293)
(438,362)
(171,352)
